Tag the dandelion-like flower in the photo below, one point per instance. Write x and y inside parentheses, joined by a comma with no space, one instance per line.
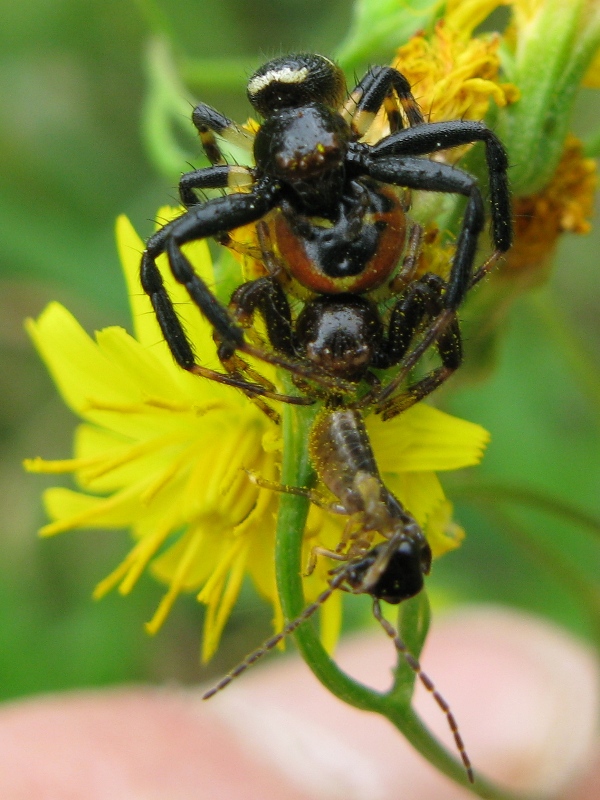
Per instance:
(167,455)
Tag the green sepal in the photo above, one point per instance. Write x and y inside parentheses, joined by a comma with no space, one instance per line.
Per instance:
(554,52)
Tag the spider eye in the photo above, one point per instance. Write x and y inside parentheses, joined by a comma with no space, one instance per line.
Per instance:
(295,80)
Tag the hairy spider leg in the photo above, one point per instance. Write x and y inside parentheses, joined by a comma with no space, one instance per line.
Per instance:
(199,222)
(431,176)
(208,122)
(426,139)
(422,300)
(375,90)
(217,315)
(221,176)
(419,173)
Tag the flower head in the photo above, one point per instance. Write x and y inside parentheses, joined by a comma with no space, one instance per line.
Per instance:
(167,455)
(454,76)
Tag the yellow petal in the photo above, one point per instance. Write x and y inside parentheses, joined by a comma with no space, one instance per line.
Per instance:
(209,554)
(424,439)
(79,369)
(178,582)
(221,604)
(75,510)
(135,562)
(153,375)
(130,248)
(330,618)
(442,533)
(419,492)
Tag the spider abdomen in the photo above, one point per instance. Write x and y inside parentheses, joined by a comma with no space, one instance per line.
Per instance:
(353,254)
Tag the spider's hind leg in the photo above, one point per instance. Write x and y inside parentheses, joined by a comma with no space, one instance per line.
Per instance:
(423,301)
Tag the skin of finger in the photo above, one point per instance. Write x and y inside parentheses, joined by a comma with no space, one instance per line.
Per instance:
(525,695)
(278,734)
(126,744)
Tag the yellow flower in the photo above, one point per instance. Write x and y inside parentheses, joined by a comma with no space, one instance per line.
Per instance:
(454,77)
(167,455)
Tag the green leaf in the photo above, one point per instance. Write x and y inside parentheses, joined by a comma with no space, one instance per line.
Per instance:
(381,26)
(167,107)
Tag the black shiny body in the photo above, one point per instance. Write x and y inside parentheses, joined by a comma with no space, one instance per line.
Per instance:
(353,251)
(391,573)
(305,148)
(343,336)
(334,213)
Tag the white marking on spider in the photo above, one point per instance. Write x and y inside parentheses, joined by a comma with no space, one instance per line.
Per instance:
(283,75)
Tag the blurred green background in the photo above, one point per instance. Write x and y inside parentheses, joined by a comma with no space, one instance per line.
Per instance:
(71,95)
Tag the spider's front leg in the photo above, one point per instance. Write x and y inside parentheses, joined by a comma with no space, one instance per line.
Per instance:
(201,221)
(431,176)
(432,137)
(422,174)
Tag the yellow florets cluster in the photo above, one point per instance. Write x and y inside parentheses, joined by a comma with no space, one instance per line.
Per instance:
(565,205)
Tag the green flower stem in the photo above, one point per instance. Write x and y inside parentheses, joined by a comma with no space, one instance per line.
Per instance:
(297,471)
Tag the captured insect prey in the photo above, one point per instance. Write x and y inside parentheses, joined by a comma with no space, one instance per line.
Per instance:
(391,570)
(331,217)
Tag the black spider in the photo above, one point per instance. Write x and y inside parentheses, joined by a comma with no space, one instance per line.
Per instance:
(333,228)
